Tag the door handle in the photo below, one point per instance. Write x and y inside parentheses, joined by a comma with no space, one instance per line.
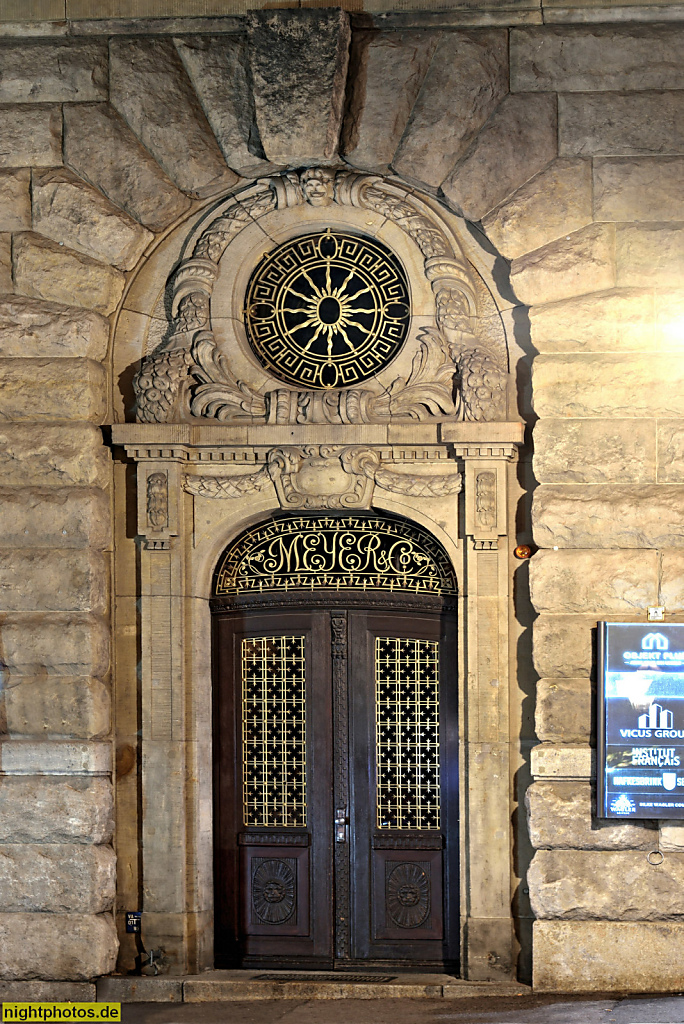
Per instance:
(341,822)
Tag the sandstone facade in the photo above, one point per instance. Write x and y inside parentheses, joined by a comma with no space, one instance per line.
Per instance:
(562,145)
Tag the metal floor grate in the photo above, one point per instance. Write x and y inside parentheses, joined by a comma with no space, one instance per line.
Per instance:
(338,976)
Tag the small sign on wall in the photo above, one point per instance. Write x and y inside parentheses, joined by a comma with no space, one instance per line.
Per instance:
(133,922)
(640,720)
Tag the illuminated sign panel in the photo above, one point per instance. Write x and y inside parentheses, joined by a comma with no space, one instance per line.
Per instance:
(640,720)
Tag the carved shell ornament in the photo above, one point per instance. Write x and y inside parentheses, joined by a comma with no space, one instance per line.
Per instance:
(323,313)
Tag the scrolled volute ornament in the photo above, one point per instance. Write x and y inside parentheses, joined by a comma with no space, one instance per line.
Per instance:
(218,394)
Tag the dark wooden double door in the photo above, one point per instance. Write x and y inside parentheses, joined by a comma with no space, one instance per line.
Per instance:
(336,789)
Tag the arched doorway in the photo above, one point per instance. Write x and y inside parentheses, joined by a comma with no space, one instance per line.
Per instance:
(336,746)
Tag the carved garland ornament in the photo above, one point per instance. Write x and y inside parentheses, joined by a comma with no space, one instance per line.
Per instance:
(451,376)
(324,476)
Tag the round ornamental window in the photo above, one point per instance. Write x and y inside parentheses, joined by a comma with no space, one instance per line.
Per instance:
(327,310)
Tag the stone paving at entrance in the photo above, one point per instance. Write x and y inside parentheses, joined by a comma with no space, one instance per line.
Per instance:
(523,1009)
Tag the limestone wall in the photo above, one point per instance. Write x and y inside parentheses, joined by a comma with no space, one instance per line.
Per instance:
(565,143)
(597,251)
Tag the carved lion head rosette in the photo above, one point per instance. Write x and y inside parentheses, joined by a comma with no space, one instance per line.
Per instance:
(455,373)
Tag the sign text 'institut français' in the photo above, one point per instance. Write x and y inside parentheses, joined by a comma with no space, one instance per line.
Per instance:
(641,721)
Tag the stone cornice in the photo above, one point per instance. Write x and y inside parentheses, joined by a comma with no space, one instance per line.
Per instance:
(216,436)
(420,15)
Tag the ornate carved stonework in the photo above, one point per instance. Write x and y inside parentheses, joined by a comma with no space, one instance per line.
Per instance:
(158,500)
(321,476)
(325,477)
(485,498)
(227,486)
(454,374)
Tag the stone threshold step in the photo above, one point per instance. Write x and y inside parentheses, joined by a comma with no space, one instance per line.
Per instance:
(246,986)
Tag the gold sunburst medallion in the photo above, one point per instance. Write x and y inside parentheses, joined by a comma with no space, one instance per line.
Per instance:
(327,310)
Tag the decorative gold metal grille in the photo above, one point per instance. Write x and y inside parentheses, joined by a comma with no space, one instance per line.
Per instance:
(363,552)
(327,310)
(274,730)
(407,733)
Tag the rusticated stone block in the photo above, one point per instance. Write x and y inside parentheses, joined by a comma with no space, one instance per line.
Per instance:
(587,581)
(649,254)
(62,946)
(564,710)
(53,72)
(466,81)
(555,202)
(60,645)
(389,71)
(559,816)
(562,761)
(150,89)
(60,879)
(15,200)
(43,580)
(617,516)
(671,836)
(31,137)
(562,645)
(594,451)
(46,270)
(582,262)
(671,451)
(518,140)
(55,809)
(65,518)
(299,65)
(613,321)
(6,282)
(103,150)
(605,886)
(574,58)
(69,211)
(669,318)
(52,389)
(609,385)
(55,757)
(639,189)
(672,580)
(53,456)
(76,707)
(218,68)
(621,124)
(31,328)
(608,956)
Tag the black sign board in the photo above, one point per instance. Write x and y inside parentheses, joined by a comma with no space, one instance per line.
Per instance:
(640,720)
(133,922)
